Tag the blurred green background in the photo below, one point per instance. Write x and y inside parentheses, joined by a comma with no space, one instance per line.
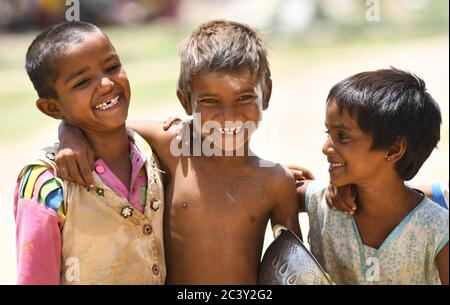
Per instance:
(312,45)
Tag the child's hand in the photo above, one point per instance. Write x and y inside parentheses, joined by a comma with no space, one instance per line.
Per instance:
(300,173)
(341,198)
(174,121)
(75,156)
(170,121)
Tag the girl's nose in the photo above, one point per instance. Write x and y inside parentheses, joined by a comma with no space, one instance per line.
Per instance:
(328,147)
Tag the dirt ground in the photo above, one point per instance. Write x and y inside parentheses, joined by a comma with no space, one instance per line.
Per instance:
(291,131)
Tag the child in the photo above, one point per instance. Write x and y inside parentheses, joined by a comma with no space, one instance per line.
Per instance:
(217,202)
(65,232)
(381,127)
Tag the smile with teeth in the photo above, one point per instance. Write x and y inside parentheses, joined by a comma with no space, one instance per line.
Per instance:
(335,165)
(230,131)
(108,104)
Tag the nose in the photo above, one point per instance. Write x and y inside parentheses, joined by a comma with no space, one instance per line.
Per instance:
(229,113)
(105,84)
(327,147)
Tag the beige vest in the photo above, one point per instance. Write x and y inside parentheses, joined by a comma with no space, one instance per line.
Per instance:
(104,239)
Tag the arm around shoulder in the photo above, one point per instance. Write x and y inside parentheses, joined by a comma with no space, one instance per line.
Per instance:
(285,211)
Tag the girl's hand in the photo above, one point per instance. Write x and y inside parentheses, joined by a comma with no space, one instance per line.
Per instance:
(341,198)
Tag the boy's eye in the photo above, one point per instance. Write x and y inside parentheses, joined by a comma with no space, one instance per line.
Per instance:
(246,98)
(81,83)
(114,68)
(208,101)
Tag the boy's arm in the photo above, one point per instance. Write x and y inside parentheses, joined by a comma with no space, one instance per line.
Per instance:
(442,262)
(75,157)
(285,211)
(155,133)
(301,188)
(38,227)
(302,177)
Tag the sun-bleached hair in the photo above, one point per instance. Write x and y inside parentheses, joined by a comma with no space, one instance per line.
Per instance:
(221,45)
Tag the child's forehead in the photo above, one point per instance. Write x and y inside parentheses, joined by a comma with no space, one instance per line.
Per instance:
(341,116)
(236,78)
(93,48)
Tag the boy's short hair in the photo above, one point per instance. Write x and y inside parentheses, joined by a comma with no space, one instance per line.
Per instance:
(46,47)
(221,45)
(390,104)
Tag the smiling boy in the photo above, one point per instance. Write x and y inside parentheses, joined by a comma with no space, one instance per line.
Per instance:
(69,234)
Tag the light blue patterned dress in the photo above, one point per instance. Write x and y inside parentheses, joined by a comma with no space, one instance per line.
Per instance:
(407,256)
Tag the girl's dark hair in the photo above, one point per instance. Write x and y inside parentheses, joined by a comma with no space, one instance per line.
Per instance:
(391,104)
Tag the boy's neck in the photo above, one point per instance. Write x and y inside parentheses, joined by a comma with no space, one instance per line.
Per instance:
(109,146)
(234,158)
(385,197)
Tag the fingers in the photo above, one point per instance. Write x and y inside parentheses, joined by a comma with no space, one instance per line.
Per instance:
(347,203)
(341,199)
(76,167)
(299,172)
(169,122)
(331,196)
(86,174)
(74,172)
(308,175)
(62,171)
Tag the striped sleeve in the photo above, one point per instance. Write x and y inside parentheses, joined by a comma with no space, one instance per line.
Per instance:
(38,184)
(37,197)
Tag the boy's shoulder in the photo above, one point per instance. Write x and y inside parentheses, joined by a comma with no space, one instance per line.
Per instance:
(276,175)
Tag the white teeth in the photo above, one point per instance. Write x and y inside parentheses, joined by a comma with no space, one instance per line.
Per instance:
(333,165)
(230,131)
(108,104)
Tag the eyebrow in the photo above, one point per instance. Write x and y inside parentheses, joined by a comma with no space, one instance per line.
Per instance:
(109,57)
(83,70)
(248,90)
(75,74)
(339,125)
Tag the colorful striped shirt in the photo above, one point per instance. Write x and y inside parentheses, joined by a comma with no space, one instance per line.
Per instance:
(39,213)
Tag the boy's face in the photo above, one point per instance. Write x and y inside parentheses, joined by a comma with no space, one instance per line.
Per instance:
(232,101)
(347,149)
(92,87)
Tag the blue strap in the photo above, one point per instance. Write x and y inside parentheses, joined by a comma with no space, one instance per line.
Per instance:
(437,195)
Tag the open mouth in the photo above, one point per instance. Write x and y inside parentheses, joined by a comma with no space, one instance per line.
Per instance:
(334,166)
(230,131)
(108,104)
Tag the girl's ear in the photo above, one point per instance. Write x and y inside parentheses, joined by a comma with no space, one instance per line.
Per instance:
(267,94)
(396,150)
(184,100)
(49,107)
